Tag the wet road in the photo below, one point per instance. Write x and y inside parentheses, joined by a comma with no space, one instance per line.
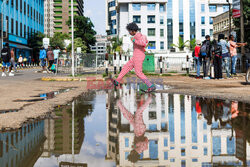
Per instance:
(129,128)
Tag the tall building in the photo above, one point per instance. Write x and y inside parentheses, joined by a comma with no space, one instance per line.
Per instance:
(57,13)
(21,19)
(165,21)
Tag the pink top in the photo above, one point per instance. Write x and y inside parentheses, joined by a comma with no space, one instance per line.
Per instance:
(140,42)
(233,50)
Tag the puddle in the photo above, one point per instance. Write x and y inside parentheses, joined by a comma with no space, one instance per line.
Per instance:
(44,96)
(124,128)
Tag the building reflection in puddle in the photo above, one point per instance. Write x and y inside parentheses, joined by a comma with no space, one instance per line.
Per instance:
(176,130)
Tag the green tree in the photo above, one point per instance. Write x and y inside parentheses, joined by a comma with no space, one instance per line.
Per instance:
(58,40)
(246,14)
(78,43)
(35,40)
(180,45)
(84,29)
(192,44)
(116,45)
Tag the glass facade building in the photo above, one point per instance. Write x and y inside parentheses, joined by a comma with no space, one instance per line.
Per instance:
(21,19)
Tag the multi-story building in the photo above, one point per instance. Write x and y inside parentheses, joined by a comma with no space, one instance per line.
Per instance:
(49,18)
(221,25)
(57,13)
(21,19)
(111,17)
(101,44)
(171,19)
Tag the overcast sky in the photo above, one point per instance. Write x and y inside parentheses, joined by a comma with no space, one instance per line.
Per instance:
(95,9)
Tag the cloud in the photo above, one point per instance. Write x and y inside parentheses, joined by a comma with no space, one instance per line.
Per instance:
(100,138)
(88,13)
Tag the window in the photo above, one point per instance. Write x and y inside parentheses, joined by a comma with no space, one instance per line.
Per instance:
(28,10)
(202,19)
(136,6)
(171,148)
(151,6)
(151,32)
(137,19)
(216,145)
(126,155)
(162,32)
(194,147)
(151,19)
(17,28)
(162,8)
(205,138)
(204,125)
(24,8)
(152,127)
(16,4)
(183,163)
(161,20)
(24,31)
(211,32)
(152,45)
(203,32)
(194,160)
(126,142)
(205,151)
(165,142)
(113,13)
(211,20)
(202,7)
(21,29)
(28,31)
(165,155)
(7,23)
(212,8)
(162,46)
(31,12)
(172,160)
(183,152)
(225,8)
(21,6)
(12,3)
(12,26)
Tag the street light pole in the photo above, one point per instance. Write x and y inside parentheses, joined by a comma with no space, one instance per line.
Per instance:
(72,32)
(2,14)
(242,35)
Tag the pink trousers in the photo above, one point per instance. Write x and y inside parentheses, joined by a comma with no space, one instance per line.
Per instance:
(136,63)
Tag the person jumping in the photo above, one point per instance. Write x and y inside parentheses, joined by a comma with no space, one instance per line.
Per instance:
(139,43)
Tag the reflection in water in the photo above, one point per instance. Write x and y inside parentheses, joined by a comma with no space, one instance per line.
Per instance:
(140,130)
(177,130)
(22,147)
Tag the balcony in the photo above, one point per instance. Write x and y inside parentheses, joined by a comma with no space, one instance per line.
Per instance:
(219,2)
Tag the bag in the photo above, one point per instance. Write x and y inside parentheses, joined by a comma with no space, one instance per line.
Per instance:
(203,51)
(53,67)
(193,54)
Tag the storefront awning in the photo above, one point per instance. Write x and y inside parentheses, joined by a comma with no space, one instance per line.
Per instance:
(13,45)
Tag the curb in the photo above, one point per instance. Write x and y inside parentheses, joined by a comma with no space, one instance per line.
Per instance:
(72,79)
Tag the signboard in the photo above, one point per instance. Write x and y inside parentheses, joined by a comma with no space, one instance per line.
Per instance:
(46,43)
(236,8)
(17,39)
(79,50)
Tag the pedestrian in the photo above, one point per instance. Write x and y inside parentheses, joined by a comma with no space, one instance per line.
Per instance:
(13,60)
(205,52)
(25,61)
(42,58)
(139,43)
(225,53)
(197,58)
(6,57)
(50,57)
(20,61)
(217,59)
(56,53)
(233,52)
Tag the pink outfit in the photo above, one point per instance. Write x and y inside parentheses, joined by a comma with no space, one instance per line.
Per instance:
(140,42)
(233,50)
(137,122)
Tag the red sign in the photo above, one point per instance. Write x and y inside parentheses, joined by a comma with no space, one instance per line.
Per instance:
(236,8)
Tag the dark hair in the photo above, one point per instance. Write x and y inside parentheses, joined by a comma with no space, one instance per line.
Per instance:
(230,36)
(6,44)
(207,36)
(133,156)
(132,27)
(221,36)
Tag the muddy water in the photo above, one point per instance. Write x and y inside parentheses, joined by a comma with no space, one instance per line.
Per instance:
(129,128)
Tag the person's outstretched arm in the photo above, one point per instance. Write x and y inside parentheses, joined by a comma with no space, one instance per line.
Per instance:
(140,40)
(145,105)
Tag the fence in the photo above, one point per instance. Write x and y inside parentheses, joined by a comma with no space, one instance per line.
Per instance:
(96,63)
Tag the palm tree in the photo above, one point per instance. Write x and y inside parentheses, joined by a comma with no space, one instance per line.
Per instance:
(116,45)
(180,45)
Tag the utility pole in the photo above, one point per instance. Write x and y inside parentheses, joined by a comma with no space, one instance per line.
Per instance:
(2,18)
(230,18)
(72,32)
(242,35)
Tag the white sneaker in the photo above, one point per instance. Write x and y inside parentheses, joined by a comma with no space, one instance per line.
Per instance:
(11,74)
(3,74)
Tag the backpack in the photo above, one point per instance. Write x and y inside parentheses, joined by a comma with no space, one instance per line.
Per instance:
(5,55)
(203,51)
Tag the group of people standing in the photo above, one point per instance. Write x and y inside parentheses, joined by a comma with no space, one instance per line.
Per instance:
(216,54)
(48,58)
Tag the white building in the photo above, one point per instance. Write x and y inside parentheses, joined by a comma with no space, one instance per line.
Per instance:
(188,19)
(101,45)
(49,18)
